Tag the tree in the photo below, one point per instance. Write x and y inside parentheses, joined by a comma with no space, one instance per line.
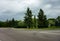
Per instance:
(42,20)
(28,18)
(20,24)
(7,23)
(1,23)
(12,23)
(58,19)
(35,22)
(45,21)
(57,23)
(51,22)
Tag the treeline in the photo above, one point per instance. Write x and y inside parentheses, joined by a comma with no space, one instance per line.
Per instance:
(32,21)
(9,23)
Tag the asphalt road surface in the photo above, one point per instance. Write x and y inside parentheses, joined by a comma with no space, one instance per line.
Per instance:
(11,34)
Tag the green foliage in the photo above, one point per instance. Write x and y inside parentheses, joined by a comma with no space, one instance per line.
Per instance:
(12,23)
(58,19)
(29,22)
(42,20)
(28,18)
(9,23)
(20,25)
(57,23)
(45,21)
(51,22)
(34,22)
(1,23)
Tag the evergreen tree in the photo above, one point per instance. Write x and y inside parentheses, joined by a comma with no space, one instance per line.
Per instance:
(14,22)
(1,23)
(42,20)
(28,18)
(45,21)
(7,23)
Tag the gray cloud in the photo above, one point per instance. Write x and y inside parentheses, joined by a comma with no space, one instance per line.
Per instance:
(17,8)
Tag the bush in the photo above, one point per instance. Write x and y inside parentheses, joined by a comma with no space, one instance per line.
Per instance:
(20,25)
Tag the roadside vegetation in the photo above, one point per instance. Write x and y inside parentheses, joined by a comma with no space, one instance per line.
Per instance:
(31,21)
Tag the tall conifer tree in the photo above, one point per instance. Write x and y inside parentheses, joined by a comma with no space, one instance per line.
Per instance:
(28,18)
(42,20)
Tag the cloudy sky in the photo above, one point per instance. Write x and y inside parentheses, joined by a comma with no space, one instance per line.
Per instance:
(17,8)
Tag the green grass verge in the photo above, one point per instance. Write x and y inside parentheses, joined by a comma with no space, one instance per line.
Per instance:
(49,28)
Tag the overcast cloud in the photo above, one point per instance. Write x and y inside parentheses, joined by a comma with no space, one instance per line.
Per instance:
(17,8)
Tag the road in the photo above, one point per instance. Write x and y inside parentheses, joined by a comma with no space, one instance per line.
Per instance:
(11,34)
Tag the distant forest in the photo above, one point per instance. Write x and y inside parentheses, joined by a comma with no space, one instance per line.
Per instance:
(32,22)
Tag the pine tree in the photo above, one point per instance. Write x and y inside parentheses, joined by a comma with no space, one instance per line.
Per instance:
(42,20)
(28,18)
(7,23)
(45,21)
(13,22)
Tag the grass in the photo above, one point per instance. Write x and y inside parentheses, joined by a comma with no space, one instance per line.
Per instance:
(52,28)
(49,28)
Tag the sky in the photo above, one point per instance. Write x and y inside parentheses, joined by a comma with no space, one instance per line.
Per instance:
(16,8)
